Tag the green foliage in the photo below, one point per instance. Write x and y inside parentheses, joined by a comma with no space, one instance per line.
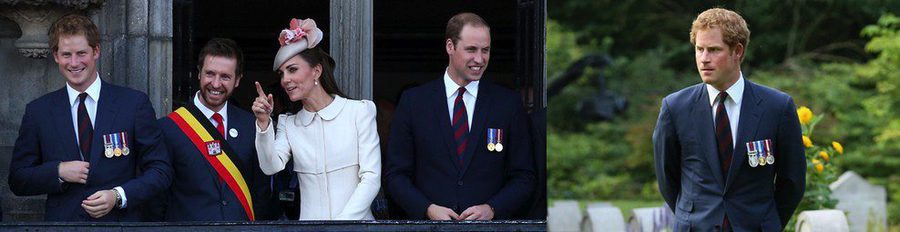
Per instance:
(820,169)
(595,160)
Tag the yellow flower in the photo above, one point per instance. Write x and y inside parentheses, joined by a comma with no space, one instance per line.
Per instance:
(824,155)
(807,142)
(818,165)
(837,147)
(805,115)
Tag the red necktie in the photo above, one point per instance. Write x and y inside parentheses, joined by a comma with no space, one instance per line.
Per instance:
(221,125)
(460,124)
(85,129)
(723,137)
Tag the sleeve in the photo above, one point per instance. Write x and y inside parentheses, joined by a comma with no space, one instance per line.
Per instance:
(520,177)
(154,162)
(369,165)
(273,149)
(790,162)
(667,156)
(261,186)
(29,174)
(400,163)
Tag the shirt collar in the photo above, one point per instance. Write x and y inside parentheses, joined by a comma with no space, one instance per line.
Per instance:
(450,86)
(208,113)
(328,113)
(93,91)
(735,92)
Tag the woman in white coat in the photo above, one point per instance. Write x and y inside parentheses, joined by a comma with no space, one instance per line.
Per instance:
(332,140)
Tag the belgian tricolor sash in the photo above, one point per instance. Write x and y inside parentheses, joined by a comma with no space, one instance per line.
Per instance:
(201,132)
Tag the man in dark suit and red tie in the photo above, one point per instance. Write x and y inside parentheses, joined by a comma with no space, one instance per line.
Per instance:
(460,146)
(217,173)
(84,144)
(728,152)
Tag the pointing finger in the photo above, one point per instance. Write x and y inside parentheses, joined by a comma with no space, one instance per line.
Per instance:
(259,90)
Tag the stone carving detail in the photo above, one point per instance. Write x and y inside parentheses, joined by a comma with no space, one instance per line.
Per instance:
(34,18)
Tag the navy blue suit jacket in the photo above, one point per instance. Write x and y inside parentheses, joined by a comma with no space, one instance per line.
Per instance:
(422,165)
(197,193)
(688,169)
(47,137)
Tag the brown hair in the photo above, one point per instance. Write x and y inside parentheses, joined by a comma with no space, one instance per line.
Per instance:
(317,56)
(224,48)
(458,21)
(734,28)
(74,24)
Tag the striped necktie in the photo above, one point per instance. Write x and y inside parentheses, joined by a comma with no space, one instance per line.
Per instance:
(85,128)
(460,124)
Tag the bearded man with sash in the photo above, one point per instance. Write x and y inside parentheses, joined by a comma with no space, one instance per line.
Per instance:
(217,174)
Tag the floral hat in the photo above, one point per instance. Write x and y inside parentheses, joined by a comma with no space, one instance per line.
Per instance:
(302,35)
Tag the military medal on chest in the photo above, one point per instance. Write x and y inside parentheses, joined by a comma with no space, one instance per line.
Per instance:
(752,153)
(107,146)
(491,138)
(125,149)
(762,153)
(117,144)
(770,158)
(499,145)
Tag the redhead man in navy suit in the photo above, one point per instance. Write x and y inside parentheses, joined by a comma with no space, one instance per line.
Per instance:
(84,145)
(460,146)
(201,191)
(728,151)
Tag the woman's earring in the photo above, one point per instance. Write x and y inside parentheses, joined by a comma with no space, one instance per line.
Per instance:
(316,82)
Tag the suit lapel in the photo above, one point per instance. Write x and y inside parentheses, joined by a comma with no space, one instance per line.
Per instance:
(234,120)
(106,115)
(748,123)
(483,105)
(701,113)
(442,117)
(62,112)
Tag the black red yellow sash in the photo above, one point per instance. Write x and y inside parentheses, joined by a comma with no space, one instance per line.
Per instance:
(200,133)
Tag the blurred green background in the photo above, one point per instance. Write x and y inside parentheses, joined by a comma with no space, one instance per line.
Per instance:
(839,58)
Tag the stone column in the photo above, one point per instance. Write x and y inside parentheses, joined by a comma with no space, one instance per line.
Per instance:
(351,46)
(137,48)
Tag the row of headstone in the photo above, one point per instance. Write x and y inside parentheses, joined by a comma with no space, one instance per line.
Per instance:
(861,207)
(566,215)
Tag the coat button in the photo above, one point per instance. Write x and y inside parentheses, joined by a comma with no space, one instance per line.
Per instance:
(460,183)
(224,202)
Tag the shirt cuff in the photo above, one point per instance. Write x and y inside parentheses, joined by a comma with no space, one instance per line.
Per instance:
(122,195)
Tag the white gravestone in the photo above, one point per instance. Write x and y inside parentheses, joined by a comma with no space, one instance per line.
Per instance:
(564,216)
(603,217)
(827,220)
(864,203)
(651,219)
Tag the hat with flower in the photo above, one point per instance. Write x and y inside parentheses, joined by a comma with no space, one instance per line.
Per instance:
(302,35)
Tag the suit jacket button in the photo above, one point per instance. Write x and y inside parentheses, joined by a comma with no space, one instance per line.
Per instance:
(460,183)
(224,202)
